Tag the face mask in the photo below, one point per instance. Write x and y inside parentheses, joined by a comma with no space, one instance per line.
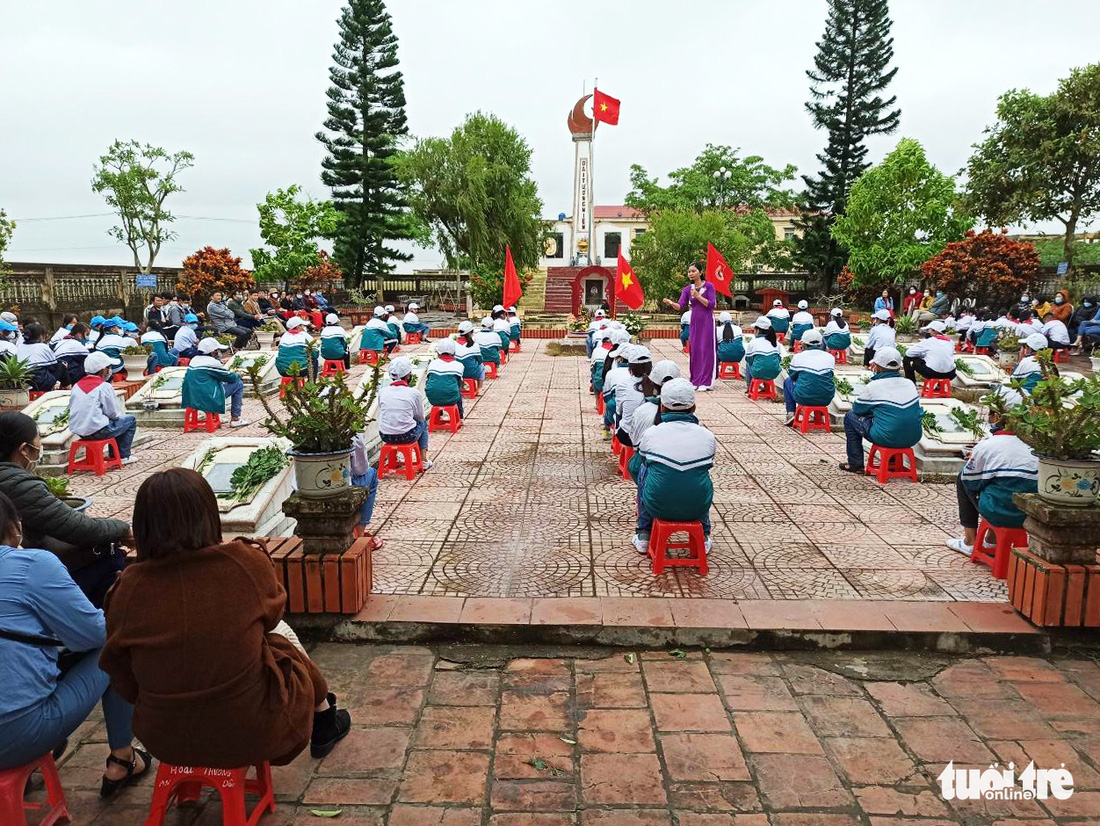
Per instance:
(33,463)
(1059,300)
(1088,303)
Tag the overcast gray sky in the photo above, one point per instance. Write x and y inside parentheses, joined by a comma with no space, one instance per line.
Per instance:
(241,84)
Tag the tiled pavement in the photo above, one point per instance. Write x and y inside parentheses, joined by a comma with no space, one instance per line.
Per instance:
(649,739)
(525,501)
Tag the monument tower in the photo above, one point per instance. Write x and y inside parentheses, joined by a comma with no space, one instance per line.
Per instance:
(582,128)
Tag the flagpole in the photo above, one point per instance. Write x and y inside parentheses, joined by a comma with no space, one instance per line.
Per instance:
(592,193)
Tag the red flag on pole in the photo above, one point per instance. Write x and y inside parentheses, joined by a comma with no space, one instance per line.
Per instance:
(605,108)
(718,271)
(513,288)
(629,290)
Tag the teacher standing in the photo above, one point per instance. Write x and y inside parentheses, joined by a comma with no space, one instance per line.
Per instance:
(699,295)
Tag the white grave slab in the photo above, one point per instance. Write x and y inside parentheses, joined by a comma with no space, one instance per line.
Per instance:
(986,371)
(269,376)
(943,453)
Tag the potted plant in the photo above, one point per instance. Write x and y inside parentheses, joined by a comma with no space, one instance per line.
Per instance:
(1008,350)
(634,324)
(322,417)
(1060,421)
(265,335)
(135,359)
(906,325)
(15,382)
(59,487)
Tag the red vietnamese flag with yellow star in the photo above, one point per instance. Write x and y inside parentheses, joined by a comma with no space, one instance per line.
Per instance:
(605,108)
(513,287)
(719,273)
(627,288)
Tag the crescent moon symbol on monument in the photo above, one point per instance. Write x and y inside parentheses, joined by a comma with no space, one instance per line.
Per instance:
(579,122)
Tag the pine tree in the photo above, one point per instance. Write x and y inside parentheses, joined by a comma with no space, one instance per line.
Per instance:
(851,71)
(366,118)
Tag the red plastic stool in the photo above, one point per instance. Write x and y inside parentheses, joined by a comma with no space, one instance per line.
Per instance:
(729,369)
(413,338)
(600,406)
(409,454)
(808,419)
(983,351)
(36,394)
(469,388)
(452,421)
(1061,355)
(761,389)
(210,421)
(369,356)
(625,455)
(841,356)
(935,389)
(660,543)
(997,559)
(14,781)
(119,377)
(797,346)
(317,319)
(616,445)
(93,460)
(491,370)
(503,357)
(687,349)
(286,381)
(515,344)
(781,338)
(183,362)
(332,367)
(184,783)
(890,463)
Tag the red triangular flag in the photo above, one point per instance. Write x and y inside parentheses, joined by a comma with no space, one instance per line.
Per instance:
(628,289)
(513,288)
(719,272)
(605,108)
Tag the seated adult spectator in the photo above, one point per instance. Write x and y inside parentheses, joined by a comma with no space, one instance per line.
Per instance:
(186,342)
(933,356)
(154,316)
(1062,308)
(71,351)
(677,454)
(95,411)
(173,316)
(322,302)
(998,466)
(887,410)
(46,371)
(411,323)
(401,418)
(206,384)
(88,546)
(294,349)
(810,376)
(45,698)
(224,321)
(212,670)
(244,317)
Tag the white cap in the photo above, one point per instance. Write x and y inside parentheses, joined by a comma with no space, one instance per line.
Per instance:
(803,305)
(294,322)
(599,313)
(1036,342)
(664,371)
(400,367)
(936,326)
(777,303)
(498,308)
(412,305)
(11,318)
(487,323)
(725,318)
(96,361)
(762,323)
(812,338)
(677,394)
(639,355)
(211,345)
(389,308)
(512,310)
(466,327)
(445,347)
(332,318)
(836,311)
(881,315)
(620,349)
(888,358)
(379,312)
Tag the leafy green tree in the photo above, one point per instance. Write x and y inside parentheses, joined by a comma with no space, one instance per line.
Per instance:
(1041,160)
(290,227)
(366,121)
(136,180)
(475,193)
(900,213)
(7,227)
(847,87)
(1052,252)
(718,178)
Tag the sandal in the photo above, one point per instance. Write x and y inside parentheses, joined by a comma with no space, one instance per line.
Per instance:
(109,786)
(847,468)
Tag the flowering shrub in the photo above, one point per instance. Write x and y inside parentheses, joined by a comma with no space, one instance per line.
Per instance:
(211,270)
(987,266)
(325,271)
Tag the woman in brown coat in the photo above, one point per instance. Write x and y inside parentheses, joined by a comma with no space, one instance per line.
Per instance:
(1062,310)
(193,641)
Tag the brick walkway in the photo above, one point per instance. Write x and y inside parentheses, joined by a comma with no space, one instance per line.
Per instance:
(647,739)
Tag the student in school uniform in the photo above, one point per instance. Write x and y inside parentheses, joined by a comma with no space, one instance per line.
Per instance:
(685,329)
(985,331)
(394,322)
(964,322)
(677,454)
(72,350)
(1027,324)
(810,376)
(95,412)
(999,466)
(802,321)
(378,335)
(364,476)
(1056,332)
(8,347)
(488,343)
(401,419)
(515,326)
(411,322)
(886,412)
(161,355)
(95,330)
(468,352)
(502,328)
(294,349)
(731,340)
(112,341)
(206,384)
(46,371)
(67,322)
(881,335)
(604,356)
(186,342)
(780,317)
(443,386)
(838,335)
(1028,370)
(628,390)
(334,341)
(593,325)
(644,414)
(933,356)
(762,359)
(614,371)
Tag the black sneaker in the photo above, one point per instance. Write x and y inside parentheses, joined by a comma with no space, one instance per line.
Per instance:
(329,728)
